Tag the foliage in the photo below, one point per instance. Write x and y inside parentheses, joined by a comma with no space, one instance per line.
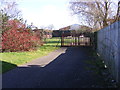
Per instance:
(18,58)
(3,20)
(18,38)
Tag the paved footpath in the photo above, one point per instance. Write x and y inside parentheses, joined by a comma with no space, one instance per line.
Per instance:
(63,68)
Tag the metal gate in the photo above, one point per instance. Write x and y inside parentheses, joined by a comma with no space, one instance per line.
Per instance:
(76,39)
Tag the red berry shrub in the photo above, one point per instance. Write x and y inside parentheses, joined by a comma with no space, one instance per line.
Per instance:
(17,38)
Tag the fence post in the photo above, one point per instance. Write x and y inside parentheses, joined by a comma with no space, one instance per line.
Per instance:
(118,51)
(95,40)
(75,39)
(91,40)
(62,39)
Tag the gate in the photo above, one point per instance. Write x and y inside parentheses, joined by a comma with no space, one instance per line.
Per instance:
(75,38)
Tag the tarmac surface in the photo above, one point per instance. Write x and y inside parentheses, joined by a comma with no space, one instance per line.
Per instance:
(63,68)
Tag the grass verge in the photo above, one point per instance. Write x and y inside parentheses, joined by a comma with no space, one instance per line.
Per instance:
(12,59)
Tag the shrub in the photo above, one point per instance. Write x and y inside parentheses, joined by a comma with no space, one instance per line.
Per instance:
(18,38)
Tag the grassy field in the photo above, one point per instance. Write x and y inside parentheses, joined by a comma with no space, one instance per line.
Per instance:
(11,59)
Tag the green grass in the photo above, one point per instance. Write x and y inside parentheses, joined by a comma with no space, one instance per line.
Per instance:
(12,59)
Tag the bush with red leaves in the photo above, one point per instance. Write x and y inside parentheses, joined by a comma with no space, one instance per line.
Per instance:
(17,38)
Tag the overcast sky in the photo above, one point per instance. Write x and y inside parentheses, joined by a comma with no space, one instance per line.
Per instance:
(46,12)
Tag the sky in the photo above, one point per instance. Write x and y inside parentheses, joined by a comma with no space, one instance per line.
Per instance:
(46,12)
(43,13)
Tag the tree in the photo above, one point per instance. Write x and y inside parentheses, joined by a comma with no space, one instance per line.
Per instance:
(118,12)
(18,38)
(50,27)
(95,13)
(10,9)
(3,21)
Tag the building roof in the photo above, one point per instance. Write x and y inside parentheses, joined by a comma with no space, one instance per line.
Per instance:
(65,28)
(77,27)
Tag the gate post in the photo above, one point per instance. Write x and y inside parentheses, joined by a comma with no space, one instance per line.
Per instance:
(78,40)
(75,40)
(62,39)
(91,39)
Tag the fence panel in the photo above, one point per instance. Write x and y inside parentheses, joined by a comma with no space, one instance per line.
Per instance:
(108,46)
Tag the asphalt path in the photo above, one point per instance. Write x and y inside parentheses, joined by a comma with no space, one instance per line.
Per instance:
(63,68)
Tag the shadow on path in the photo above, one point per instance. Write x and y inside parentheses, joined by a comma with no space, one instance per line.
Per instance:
(66,71)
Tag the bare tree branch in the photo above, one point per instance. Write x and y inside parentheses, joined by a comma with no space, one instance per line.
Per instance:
(95,11)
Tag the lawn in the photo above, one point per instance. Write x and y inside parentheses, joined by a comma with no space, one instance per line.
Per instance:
(12,59)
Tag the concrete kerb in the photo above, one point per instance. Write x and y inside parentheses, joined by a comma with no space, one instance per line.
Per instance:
(43,61)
